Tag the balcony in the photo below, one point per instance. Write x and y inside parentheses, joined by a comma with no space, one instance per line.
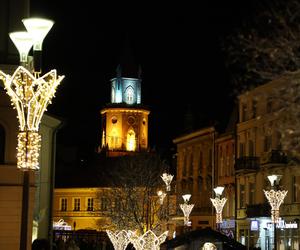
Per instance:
(273,157)
(258,210)
(247,163)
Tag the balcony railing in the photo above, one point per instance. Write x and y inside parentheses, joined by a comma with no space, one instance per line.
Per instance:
(258,210)
(273,157)
(247,163)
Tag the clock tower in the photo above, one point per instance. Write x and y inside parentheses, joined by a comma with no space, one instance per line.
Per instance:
(124,119)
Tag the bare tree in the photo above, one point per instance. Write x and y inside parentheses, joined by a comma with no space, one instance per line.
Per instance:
(134,202)
(264,46)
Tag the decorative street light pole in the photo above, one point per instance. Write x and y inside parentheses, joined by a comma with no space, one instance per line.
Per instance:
(186,208)
(275,198)
(218,204)
(167,178)
(30,96)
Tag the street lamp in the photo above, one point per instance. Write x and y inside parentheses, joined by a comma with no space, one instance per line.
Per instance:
(275,198)
(30,96)
(167,178)
(218,204)
(161,195)
(186,208)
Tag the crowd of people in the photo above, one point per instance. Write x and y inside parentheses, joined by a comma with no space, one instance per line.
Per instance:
(70,244)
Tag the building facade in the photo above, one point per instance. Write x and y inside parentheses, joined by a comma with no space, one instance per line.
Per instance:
(260,153)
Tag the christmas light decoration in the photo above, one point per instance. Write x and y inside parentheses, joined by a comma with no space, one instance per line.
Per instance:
(120,239)
(148,240)
(275,197)
(186,208)
(161,195)
(167,178)
(218,203)
(30,96)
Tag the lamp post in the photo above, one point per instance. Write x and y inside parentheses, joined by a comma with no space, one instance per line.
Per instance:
(167,178)
(218,203)
(186,208)
(275,197)
(30,96)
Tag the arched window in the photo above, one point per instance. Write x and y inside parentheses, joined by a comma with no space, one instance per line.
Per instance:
(113,95)
(129,93)
(131,141)
(113,139)
(2,144)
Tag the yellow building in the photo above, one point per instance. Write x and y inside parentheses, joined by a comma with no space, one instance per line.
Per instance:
(124,130)
(260,153)
(205,160)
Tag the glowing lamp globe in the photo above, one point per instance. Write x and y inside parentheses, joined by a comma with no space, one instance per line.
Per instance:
(23,42)
(274,179)
(38,28)
(219,190)
(186,197)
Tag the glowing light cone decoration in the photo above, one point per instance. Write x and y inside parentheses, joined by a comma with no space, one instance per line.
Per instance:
(30,96)
(148,240)
(119,239)
(275,197)
(161,195)
(186,208)
(167,178)
(218,203)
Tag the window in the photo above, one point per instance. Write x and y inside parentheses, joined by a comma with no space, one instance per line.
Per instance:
(131,141)
(191,165)
(129,95)
(90,204)
(296,189)
(242,196)
(241,150)
(254,108)
(104,204)
(63,204)
(251,193)
(269,105)
(200,163)
(251,148)
(267,143)
(2,144)
(76,204)
(244,112)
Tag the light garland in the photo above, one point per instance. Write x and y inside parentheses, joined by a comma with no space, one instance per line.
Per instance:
(119,239)
(186,209)
(148,240)
(167,178)
(275,199)
(28,150)
(218,204)
(30,96)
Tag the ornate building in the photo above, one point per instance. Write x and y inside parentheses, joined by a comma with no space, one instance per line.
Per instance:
(124,120)
(260,152)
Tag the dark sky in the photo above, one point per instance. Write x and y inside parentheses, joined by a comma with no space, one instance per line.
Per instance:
(177,46)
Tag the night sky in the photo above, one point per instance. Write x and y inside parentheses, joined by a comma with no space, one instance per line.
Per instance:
(177,46)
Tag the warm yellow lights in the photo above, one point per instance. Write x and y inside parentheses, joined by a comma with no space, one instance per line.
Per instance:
(148,240)
(23,42)
(275,199)
(28,150)
(218,204)
(30,96)
(131,141)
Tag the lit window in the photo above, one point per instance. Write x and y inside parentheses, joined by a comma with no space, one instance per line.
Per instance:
(76,204)
(242,196)
(90,204)
(129,95)
(63,204)
(131,143)
(104,204)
